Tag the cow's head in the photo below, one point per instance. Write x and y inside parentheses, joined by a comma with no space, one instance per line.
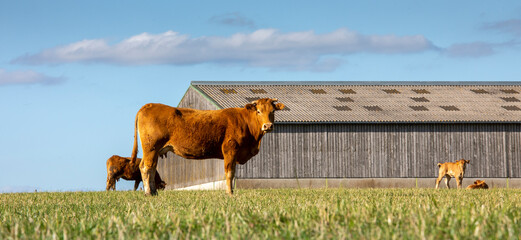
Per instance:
(161,185)
(463,163)
(264,110)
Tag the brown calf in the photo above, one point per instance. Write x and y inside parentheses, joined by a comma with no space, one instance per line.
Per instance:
(452,169)
(121,167)
(478,184)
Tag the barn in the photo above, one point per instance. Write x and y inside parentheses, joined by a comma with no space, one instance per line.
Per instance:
(365,134)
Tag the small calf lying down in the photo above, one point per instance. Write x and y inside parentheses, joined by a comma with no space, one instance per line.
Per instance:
(121,167)
(451,170)
(478,184)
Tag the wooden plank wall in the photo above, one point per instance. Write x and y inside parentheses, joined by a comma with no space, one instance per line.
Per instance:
(385,151)
(178,172)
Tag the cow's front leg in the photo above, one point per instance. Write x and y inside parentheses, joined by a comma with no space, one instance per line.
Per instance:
(459,180)
(229,170)
(230,149)
(136,184)
(148,171)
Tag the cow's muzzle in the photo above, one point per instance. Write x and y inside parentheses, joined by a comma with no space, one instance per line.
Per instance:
(267,127)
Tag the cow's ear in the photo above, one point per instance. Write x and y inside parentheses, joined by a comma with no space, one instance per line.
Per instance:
(250,106)
(279,106)
(467,161)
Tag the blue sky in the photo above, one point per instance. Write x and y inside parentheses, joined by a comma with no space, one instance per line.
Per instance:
(73,74)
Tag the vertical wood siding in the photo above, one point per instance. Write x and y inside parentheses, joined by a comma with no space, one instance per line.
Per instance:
(385,150)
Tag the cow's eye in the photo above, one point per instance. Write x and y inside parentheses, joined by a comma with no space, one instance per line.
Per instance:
(258,111)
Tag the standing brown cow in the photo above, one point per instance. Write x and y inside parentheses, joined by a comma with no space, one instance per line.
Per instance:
(452,169)
(232,134)
(122,167)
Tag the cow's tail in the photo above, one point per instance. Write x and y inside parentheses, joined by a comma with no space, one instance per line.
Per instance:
(439,164)
(135,148)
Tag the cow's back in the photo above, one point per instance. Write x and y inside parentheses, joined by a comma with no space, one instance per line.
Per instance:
(453,169)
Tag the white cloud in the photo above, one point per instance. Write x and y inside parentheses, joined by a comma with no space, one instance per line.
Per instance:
(511,26)
(470,50)
(26,77)
(480,49)
(262,48)
(233,19)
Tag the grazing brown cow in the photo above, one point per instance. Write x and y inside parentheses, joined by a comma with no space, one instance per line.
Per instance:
(478,184)
(121,167)
(232,134)
(452,169)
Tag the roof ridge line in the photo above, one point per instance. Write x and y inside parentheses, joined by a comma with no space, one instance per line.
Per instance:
(360,83)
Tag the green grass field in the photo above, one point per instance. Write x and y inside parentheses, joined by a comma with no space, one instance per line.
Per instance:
(263,213)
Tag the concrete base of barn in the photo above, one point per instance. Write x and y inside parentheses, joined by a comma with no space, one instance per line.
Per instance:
(205,186)
(353,183)
(370,183)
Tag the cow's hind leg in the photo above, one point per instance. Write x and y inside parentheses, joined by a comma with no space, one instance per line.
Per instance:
(447,180)
(111,183)
(438,180)
(148,171)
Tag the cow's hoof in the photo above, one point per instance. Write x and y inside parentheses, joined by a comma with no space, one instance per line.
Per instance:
(151,194)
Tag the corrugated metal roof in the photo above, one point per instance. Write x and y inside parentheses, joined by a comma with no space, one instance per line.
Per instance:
(374,102)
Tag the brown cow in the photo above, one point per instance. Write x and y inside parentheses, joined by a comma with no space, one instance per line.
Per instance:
(452,169)
(232,134)
(121,167)
(478,184)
